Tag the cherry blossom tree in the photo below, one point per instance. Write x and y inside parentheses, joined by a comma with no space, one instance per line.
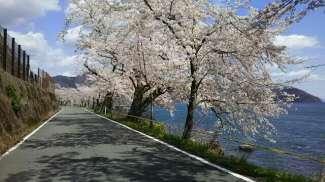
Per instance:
(207,54)
(227,55)
(67,96)
(113,89)
(123,41)
(95,92)
(292,10)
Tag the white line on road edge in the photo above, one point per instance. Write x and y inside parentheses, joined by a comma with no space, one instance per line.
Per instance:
(26,137)
(186,153)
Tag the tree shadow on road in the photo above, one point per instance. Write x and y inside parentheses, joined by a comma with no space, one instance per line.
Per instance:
(135,166)
(119,155)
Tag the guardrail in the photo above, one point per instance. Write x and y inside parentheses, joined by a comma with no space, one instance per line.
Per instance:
(16,61)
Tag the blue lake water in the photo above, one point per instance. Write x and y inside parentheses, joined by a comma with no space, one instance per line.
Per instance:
(302,132)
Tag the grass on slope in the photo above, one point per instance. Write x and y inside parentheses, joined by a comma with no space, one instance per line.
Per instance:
(238,165)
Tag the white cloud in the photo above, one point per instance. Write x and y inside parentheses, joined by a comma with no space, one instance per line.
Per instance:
(300,74)
(67,61)
(15,12)
(70,8)
(30,27)
(69,74)
(316,77)
(71,37)
(43,55)
(311,57)
(296,42)
(271,67)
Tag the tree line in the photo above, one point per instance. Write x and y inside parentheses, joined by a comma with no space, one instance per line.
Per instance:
(188,51)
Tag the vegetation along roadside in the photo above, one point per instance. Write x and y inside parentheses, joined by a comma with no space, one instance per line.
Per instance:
(238,165)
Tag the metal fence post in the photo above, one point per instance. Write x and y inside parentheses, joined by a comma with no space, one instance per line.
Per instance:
(27,68)
(38,78)
(43,79)
(13,56)
(24,65)
(31,77)
(4,58)
(19,60)
(24,72)
(35,79)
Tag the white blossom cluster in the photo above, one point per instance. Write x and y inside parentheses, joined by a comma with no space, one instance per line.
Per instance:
(190,52)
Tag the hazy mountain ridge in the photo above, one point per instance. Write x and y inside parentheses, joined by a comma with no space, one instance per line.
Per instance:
(304,97)
(71,82)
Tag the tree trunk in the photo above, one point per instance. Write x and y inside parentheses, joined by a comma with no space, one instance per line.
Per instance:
(108,101)
(97,103)
(138,104)
(141,103)
(93,106)
(190,116)
(191,105)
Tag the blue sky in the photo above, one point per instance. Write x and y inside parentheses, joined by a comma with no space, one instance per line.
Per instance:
(36,23)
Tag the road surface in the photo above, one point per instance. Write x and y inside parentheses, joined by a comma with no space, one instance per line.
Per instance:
(77,145)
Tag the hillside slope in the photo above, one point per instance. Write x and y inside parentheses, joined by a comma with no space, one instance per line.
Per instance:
(69,82)
(22,104)
(304,97)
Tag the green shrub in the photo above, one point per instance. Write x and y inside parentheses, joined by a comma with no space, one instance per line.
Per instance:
(15,100)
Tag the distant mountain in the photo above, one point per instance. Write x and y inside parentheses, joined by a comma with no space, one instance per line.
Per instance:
(323,100)
(71,82)
(304,97)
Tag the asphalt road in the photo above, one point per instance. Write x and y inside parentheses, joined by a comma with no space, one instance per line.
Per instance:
(77,145)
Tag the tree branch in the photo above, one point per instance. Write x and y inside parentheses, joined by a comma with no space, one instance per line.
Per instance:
(94,72)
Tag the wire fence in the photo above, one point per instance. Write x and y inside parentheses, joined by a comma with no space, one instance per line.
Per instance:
(16,61)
